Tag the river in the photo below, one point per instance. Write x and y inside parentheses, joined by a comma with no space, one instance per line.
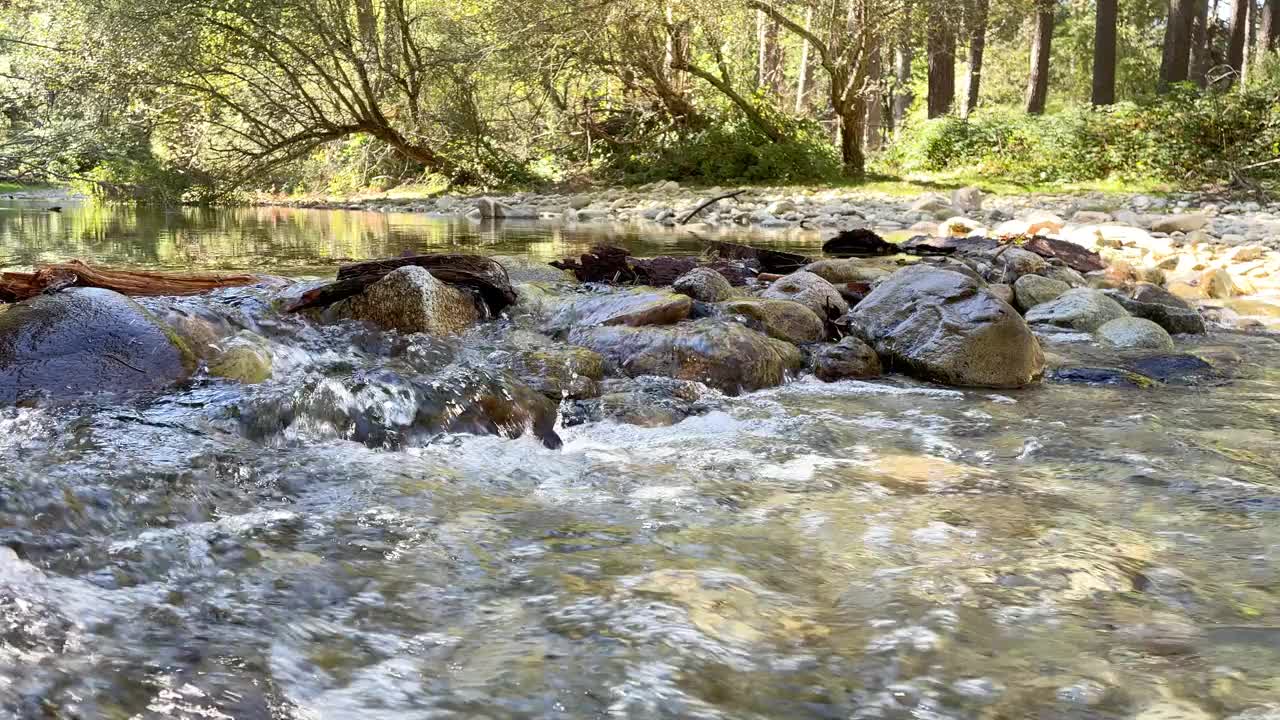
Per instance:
(883,549)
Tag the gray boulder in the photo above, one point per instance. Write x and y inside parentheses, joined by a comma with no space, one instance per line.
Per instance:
(1162,307)
(561,371)
(635,308)
(1080,309)
(86,340)
(1131,333)
(724,355)
(1032,290)
(782,319)
(944,326)
(847,359)
(494,209)
(811,291)
(410,299)
(1186,222)
(704,284)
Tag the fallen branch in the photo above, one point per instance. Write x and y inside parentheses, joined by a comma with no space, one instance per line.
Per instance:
(708,204)
(16,287)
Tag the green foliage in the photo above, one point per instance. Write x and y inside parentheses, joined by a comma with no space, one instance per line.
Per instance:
(1186,137)
(733,150)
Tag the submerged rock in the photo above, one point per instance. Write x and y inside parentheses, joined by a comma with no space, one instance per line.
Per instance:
(244,359)
(1080,309)
(1175,369)
(1100,376)
(410,299)
(561,371)
(811,291)
(1131,333)
(942,325)
(839,272)
(638,308)
(646,401)
(848,359)
(86,340)
(724,355)
(782,319)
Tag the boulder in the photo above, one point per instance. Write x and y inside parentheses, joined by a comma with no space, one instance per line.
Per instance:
(1032,290)
(1016,262)
(935,205)
(1183,222)
(1162,307)
(943,325)
(724,355)
(1131,333)
(646,401)
(1079,309)
(86,340)
(1219,285)
(850,358)
(410,299)
(494,209)
(704,285)
(1002,291)
(782,319)
(634,308)
(811,291)
(967,199)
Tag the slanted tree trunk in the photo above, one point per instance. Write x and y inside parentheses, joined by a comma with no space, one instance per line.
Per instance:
(1041,43)
(1104,54)
(977,48)
(1239,35)
(1269,30)
(942,63)
(1176,58)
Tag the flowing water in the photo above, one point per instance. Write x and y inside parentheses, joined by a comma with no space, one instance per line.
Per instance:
(877,549)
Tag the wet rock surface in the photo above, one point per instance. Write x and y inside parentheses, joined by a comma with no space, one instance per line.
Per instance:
(84,341)
(941,325)
(411,300)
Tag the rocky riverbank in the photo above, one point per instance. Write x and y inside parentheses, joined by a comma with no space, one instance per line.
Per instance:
(1198,248)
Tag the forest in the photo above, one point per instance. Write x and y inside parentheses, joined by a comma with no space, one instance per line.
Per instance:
(198,100)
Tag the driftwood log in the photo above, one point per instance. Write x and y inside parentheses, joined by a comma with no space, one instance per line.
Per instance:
(16,287)
(483,276)
(771,261)
(859,243)
(615,265)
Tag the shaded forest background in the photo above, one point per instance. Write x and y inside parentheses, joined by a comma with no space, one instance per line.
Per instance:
(195,100)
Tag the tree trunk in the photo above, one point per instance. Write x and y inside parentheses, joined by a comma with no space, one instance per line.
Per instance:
(1200,44)
(1239,34)
(1269,31)
(802,80)
(769,54)
(851,130)
(875,111)
(977,48)
(903,58)
(1175,60)
(1104,54)
(942,63)
(1041,42)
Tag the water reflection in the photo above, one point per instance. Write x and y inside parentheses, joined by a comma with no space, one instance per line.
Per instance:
(297,241)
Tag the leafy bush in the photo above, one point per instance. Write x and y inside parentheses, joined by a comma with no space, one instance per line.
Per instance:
(1185,136)
(734,151)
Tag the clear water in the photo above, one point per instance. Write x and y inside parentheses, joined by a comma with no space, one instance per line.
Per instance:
(857,550)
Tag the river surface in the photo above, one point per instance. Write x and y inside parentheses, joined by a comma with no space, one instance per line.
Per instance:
(881,549)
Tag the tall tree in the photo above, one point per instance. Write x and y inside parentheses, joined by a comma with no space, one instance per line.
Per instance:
(768,54)
(903,59)
(1201,44)
(1239,35)
(1269,30)
(1041,44)
(941,48)
(802,75)
(1176,58)
(875,111)
(1104,53)
(977,25)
